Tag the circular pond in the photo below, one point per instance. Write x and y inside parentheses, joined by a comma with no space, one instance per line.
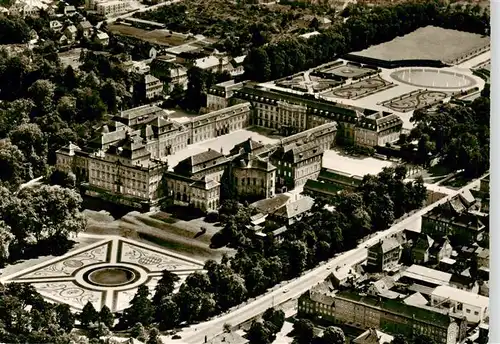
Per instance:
(111,276)
(433,78)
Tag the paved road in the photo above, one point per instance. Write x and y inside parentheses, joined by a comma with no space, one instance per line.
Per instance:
(196,334)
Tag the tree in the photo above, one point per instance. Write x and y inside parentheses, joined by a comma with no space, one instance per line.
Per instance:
(141,309)
(154,336)
(165,286)
(88,315)
(32,142)
(176,96)
(275,317)
(65,317)
(258,334)
(257,65)
(106,317)
(42,94)
(167,313)
(303,330)
(6,238)
(399,339)
(13,114)
(196,88)
(63,178)
(333,335)
(12,168)
(139,332)
(109,96)
(70,80)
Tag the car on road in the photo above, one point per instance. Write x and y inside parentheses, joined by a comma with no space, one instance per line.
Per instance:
(329,268)
(285,290)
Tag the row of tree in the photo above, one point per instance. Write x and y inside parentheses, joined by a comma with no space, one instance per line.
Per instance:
(364,26)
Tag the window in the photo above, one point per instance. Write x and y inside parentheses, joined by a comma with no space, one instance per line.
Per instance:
(468,311)
(476,313)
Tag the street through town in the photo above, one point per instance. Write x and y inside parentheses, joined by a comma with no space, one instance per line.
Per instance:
(196,334)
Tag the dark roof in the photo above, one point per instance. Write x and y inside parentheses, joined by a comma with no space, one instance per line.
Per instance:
(380,121)
(187,165)
(267,206)
(85,25)
(385,245)
(253,162)
(330,109)
(297,152)
(328,175)
(140,111)
(209,155)
(248,146)
(399,308)
(322,187)
(290,210)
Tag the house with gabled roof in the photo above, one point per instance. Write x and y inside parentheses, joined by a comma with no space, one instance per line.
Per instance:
(384,255)
(86,28)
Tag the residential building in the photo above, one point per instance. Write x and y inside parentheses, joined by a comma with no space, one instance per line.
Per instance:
(455,219)
(111,7)
(86,28)
(28,8)
(390,316)
(69,10)
(237,66)
(420,251)
(483,257)
(441,249)
(471,305)
(70,32)
(102,38)
(178,76)
(396,317)
(55,25)
(253,177)
(292,212)
(378,129)
(296,163)
(384,255)
(153,87)
(220,122)
(212,63)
